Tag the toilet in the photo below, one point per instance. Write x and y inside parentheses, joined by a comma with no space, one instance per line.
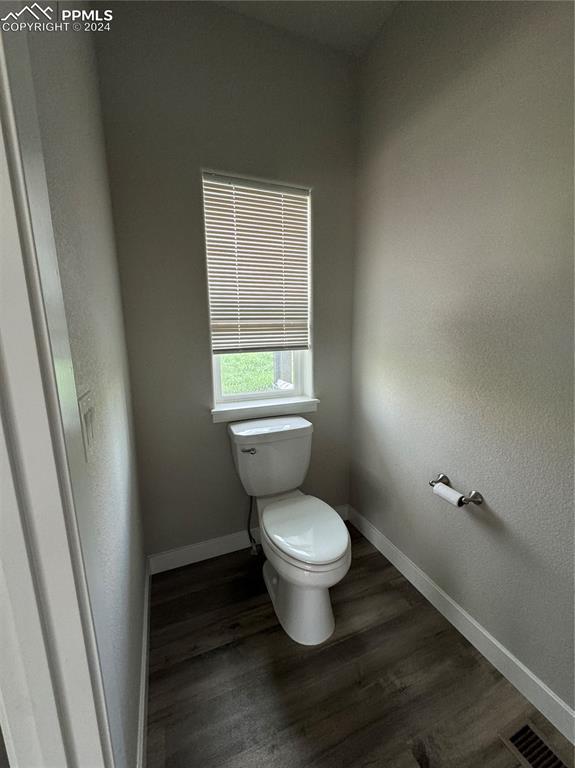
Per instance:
(305,542)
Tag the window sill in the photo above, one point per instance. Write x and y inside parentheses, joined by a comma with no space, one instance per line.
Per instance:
(257,409)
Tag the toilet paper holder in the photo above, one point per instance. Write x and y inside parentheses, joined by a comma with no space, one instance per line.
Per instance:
(473,498)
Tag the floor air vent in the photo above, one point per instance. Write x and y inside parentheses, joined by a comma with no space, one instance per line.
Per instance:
(528,746)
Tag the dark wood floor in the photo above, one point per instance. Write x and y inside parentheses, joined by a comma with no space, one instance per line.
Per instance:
(3,756)
(395,686)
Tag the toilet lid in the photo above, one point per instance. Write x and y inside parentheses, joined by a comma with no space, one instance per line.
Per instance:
(307,529)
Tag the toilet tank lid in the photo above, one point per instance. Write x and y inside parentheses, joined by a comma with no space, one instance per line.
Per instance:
(269,430)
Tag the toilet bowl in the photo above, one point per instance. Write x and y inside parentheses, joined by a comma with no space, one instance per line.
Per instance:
(305,542)
(308,550)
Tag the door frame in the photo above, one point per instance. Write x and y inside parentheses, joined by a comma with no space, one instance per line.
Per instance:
(52,704)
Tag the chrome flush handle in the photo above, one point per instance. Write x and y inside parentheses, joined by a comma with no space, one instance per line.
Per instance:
(249,450)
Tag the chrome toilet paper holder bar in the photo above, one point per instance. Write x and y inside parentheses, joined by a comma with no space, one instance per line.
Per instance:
(473,498)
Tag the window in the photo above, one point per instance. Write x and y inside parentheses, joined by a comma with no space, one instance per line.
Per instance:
(258,265)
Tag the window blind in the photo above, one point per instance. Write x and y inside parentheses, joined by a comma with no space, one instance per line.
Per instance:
(258,260)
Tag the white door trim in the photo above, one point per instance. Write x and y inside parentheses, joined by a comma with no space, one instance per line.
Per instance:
(28,701)
(40,517)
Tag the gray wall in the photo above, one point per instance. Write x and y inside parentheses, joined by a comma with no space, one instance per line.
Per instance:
(463,311)
(105,489)
(187,86)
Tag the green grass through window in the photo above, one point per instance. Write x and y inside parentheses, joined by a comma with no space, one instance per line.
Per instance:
(247,372)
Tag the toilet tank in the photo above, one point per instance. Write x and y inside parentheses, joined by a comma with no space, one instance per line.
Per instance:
(271,455)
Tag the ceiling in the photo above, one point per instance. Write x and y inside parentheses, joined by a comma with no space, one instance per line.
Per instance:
(345,25)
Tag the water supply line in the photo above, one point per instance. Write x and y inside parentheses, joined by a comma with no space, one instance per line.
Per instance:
(253,542)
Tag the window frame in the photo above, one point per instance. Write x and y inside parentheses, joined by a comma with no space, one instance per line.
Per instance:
(301,373)
(299,399)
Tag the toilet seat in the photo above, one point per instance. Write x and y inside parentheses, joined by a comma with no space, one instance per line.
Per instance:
(270,550)
(306,532)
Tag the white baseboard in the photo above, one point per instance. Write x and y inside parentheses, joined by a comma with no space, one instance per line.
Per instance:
(204,550)
(143,707)
(540,695)
(194,553)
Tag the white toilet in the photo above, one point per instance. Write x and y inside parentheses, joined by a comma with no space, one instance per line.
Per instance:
(305,541)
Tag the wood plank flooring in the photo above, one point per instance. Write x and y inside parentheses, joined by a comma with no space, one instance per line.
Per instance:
(396,686)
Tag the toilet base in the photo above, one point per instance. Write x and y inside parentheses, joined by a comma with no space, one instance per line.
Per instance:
(305,613)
